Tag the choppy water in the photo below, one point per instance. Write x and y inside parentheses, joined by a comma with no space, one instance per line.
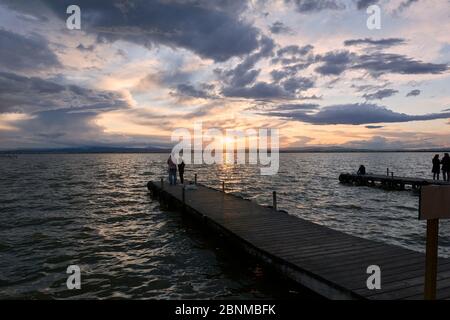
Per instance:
(93,210)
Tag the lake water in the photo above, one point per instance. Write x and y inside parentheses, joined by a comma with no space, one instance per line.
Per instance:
(93,210)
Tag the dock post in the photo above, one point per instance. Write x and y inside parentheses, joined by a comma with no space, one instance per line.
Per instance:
(431,259)
(274,196)
(392,175)
(195,178)
(183,195)
(223,186)
(387,172)
(162,183)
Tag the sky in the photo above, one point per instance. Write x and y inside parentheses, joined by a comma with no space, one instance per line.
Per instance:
(138,69)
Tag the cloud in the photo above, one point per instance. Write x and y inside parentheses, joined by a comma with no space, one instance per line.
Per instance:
(260,90)
(278,27)
(355,114)
(211,29)
(84,48)
(363,4)
(388,42)
(294,54)
(32,94)
(25,54)
(378,63)
(287,89)
(369,87)
(190,91)
(413,93)
(405,5)
(310,6)
(404,141)
(374,127)
(63,128)
(295,84)
(295,107)
(380,94)
(243,74)
(335,63)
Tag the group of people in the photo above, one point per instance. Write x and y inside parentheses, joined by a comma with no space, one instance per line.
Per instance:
(173,170)
(445,163)
(438,166)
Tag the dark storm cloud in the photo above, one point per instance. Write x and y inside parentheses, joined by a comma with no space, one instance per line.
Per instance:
(413,93)
(30,95)
(388,42)
(378,63)
(380,94)
(20,53)
(309,6)
(211,29)
(355,114)
(278,27)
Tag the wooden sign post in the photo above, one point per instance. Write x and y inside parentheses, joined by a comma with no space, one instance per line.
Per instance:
(434,205)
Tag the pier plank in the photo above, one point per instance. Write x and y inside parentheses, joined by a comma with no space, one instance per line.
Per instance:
(327,261)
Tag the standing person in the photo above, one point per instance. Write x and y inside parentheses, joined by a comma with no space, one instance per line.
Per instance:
(181,170)
(172,171)
(436,167)
(446,167)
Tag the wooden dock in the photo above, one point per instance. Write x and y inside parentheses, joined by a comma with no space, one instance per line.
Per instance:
(331,263)
(388,182)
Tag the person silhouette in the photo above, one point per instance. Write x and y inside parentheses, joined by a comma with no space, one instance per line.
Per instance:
(181,170)
(446,167)
(172,171)
(361,170)
(436,167)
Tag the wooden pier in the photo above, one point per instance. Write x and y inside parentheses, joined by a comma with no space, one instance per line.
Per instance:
(388,181)
(331,263)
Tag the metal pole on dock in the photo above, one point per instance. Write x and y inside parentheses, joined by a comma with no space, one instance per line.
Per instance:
(183,195)
(274,196)
(195,178)
(392,175)
(223,186)
(387,172)
(162,183)
(431,259)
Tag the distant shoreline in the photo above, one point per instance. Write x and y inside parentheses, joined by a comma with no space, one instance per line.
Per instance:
(135,151)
